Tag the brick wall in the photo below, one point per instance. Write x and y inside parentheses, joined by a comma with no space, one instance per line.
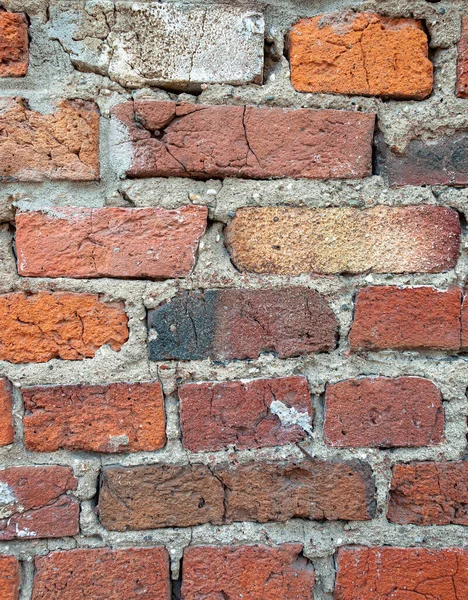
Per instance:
(233,314)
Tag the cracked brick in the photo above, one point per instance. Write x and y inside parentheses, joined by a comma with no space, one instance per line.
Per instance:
(361,54)
(42,326)
(390,573)
(429,493)
(95,418)
(238,324)
(216,415)
(60,146)
(151,44)
(34,503)
(164,139)
(253,572)
(157,496)
(109,242)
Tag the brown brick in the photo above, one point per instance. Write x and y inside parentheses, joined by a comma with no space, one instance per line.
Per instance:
(109,242)
(462,79)
(118,417)
(35,503)
(59,146)
(9,578)
(312,489)
(383,239)
(381,412)
(246,414)
(401,574)
(7,432)
(439,160)
(237,323)
(156,496)
(167,496)
(406,319)
(253,572)
(43,326)
(363,54)
(166,139)
(103,574)
(429,493)
(14,44)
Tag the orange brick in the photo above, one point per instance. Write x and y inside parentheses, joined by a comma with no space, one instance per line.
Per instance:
(46,325)
(102,418)
(59,146)
(109,242)
(250,572)
(362,54)
(7,432)
(14,44)
(9,578)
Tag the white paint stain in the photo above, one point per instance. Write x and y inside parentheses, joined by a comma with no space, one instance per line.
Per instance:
(291,416)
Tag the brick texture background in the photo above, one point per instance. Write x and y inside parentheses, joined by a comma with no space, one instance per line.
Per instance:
(233,299)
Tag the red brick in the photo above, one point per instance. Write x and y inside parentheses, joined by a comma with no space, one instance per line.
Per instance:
(103,574)
(413,318)
(381,412)
(35,504)
(149,497)
(39,327)
(118,417)
(9,578)
(14,44)
(166,139)
(59,146)
(216,415)
(382,239)
(439,160)
(464,322)
(238,323)
(109,242)
(7,432)
(401,574)
(429,493)
(462,79)
(361,53)
(251,572)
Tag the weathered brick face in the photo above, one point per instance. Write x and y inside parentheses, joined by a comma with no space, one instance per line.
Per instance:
(290,241)
(254,572)
(14,44)
(43,326)
(462,80)
(7,432)
(363,54)
(183,140)
(59,146)
(132,573)
(113,418)
(239,324)
(233,300)
(245,414)
(383,412)
(35,503)
(109,242)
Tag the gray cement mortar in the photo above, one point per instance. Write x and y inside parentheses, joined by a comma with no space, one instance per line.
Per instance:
(52,76)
